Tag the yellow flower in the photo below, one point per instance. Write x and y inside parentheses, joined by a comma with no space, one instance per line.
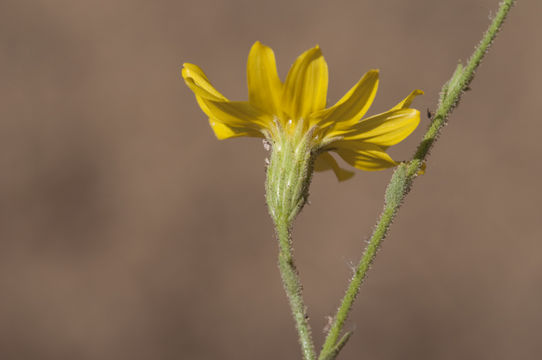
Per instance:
(275,108)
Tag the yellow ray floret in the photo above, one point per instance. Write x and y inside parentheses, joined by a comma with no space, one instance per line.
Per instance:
(274,106)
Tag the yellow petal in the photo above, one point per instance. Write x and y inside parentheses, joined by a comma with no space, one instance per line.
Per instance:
(305,89)
(325,161)
(235,114)
(385,129)
(408,100)
(364,156)
(227,118)
(196,80)
(264,86)
(223,131)
(352,106)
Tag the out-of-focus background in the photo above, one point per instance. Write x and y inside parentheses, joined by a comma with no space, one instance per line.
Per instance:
(127,231)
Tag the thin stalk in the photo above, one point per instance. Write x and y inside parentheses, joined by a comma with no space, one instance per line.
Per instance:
(293,288)
(288,178)
(405,174)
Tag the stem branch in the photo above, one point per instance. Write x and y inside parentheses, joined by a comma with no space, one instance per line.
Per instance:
(405,174)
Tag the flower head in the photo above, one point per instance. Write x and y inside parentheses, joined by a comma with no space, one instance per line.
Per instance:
(276,110)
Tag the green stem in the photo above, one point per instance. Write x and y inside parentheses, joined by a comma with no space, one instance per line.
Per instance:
(288,178)
(405,174)
(293,288)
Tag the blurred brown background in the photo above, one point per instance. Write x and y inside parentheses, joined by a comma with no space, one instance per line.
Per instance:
(127,231)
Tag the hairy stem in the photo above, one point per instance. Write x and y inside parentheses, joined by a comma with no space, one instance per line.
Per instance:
(293,288)
(405,174)
(288,178)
